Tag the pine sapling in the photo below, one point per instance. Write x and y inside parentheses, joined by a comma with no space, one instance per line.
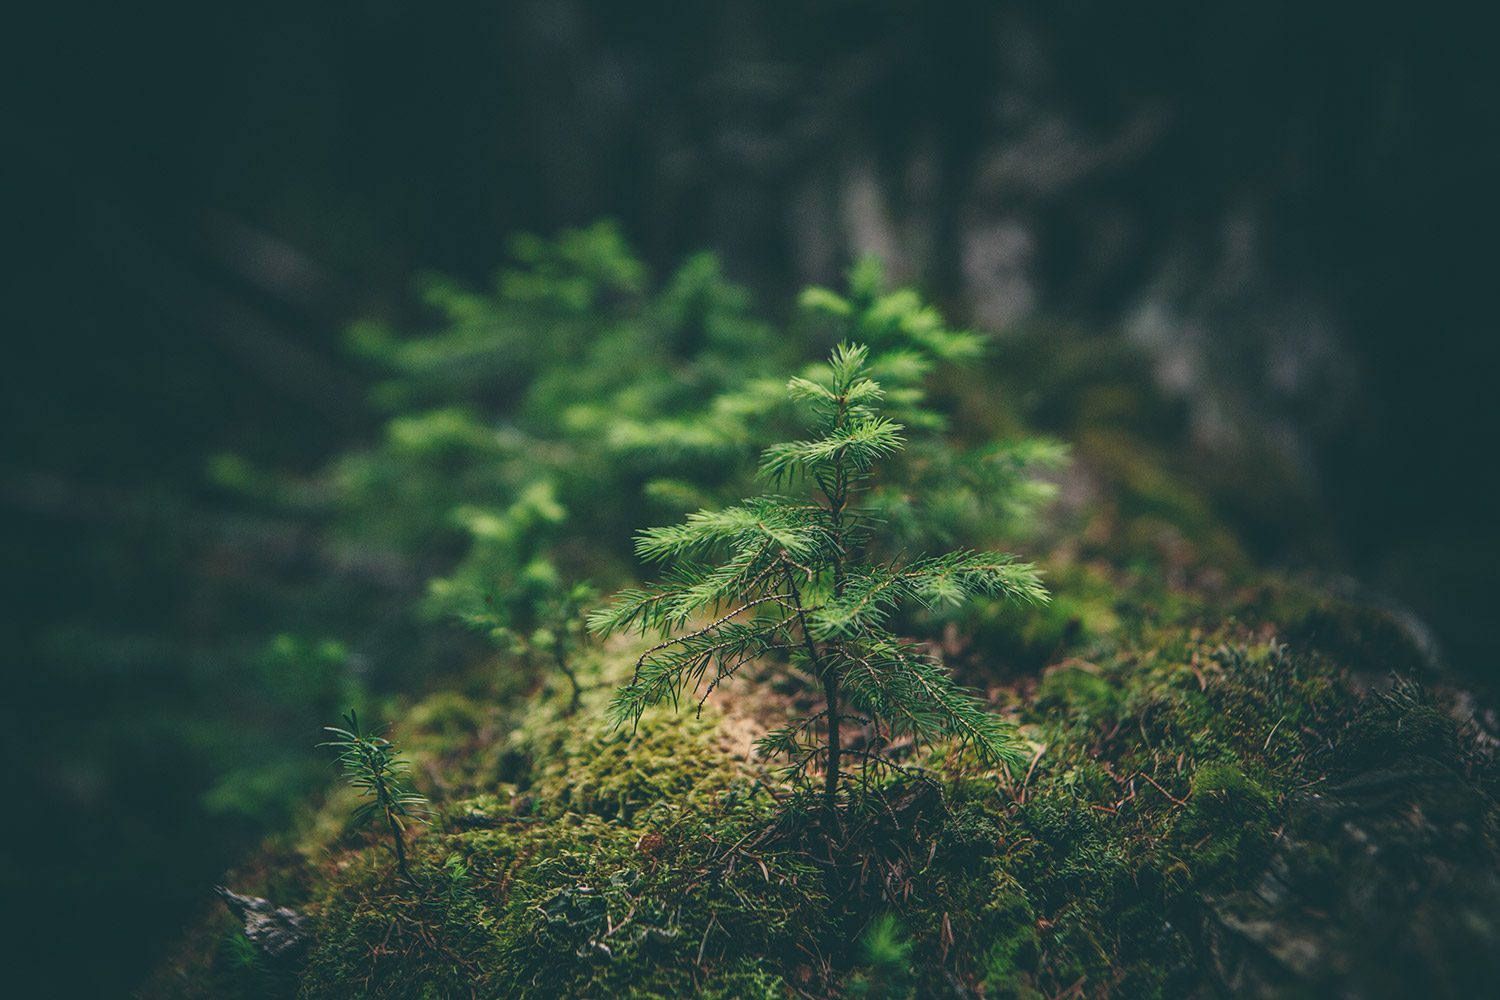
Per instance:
(370,764)
(562,632)
(795,579)
(545,624)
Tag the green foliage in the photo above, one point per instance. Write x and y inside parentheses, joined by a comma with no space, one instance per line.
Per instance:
(520,433)
(944,490)
(887,957)
(539,619)
(532,431)
(372,767)
(533,426)
(795,578)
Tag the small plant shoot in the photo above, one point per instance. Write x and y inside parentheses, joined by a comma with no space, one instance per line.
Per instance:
(371,765)
(795,578)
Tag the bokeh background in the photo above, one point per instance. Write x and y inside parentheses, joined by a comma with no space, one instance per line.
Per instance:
(1285,210)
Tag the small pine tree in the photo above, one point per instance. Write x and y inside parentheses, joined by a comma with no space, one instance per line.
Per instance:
(544,627)
(887,957)
(509,586)
(370,764)
(796,577)
(562,631)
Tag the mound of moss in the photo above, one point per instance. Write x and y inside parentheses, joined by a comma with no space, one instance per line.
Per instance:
(1208,809)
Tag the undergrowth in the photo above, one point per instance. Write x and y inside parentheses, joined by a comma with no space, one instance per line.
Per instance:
(582,861)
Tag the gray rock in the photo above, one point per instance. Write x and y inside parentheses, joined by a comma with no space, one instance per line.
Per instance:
(279,932)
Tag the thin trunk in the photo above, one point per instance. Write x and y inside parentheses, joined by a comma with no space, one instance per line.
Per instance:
(399,842)
(831,779)
(830,696)
(837,500)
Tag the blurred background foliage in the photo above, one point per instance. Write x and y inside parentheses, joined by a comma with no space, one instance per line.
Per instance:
(1260,236)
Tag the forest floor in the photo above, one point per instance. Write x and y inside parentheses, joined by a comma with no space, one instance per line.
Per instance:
(1238,784)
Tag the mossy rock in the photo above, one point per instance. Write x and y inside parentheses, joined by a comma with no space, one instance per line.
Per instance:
(1208,810)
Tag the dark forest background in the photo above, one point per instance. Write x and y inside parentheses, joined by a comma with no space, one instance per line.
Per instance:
(1286,208)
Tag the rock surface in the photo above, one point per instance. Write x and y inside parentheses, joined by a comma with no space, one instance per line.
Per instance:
(279,932)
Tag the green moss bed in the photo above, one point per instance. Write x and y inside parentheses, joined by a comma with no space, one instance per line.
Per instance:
(1239,785)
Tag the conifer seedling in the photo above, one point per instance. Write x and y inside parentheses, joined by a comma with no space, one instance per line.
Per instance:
(793,578)
(371,765)
(561,632)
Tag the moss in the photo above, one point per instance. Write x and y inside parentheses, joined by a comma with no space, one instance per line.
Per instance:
(605,872)
(378,936)
(1009,947)
(1225,831)
(446,715)
(1083,610)
(594,769)
(648,919)
(1079,692)
(742,979)
(1396,731)
(1161,760)
(571,859)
